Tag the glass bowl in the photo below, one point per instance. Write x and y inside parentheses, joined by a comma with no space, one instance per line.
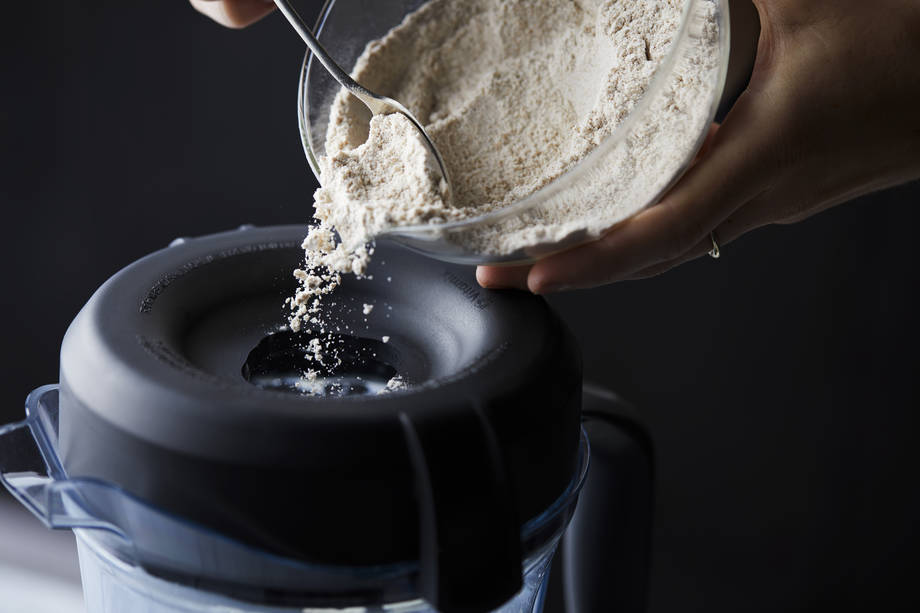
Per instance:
(610,173)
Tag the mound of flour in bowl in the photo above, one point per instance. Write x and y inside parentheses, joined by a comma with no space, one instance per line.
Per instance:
(515,94)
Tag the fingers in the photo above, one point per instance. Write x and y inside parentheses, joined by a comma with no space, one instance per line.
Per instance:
(700,249)
(733,172)
(495,277)
(234,13)
(755,214)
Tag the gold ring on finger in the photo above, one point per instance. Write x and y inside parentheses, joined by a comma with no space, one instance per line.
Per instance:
(715,253)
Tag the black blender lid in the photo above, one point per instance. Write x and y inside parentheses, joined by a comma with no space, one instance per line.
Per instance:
(154,398)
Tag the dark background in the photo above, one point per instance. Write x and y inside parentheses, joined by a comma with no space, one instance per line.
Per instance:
(780,382)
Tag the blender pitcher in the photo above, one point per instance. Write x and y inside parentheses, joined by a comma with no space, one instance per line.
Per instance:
(192,488)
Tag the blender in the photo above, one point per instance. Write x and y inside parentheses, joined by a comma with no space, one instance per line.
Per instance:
(198,476)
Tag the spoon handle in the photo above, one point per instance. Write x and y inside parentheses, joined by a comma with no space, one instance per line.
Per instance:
(367,97)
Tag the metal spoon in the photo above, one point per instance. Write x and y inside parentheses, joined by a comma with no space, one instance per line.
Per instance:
(378,105)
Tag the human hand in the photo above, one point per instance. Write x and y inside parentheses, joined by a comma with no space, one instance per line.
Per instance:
(234,13)
(830,113)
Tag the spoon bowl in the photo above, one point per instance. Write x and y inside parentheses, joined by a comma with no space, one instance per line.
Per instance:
(377,104)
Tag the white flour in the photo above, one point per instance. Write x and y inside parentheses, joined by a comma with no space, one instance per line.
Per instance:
(515,93)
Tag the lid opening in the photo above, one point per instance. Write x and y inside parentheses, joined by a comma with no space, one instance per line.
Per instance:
(346,365)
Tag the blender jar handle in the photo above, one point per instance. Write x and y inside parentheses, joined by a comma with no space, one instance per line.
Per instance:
(31,468)
(606,549)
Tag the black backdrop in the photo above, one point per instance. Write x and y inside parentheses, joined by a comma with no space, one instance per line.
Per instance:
(780,382)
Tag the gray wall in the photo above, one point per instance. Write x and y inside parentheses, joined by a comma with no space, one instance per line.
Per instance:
(780,382)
